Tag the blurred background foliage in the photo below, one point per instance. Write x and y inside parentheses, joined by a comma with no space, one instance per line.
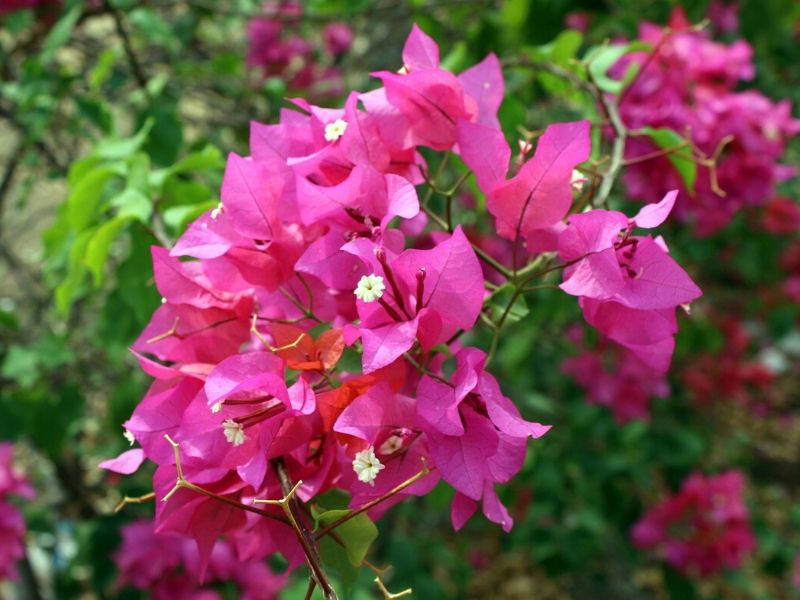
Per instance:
(115,119)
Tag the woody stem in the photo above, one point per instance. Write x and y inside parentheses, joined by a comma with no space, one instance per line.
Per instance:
(355,512)
(304,536)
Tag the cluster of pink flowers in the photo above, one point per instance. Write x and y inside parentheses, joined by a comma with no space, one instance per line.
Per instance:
(703,528)
(12,525)
(276,52)
(614,377)
(629,289)
(168,566)
(306,259)
(687,83)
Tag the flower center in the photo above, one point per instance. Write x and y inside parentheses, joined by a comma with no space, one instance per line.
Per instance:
(369,288)
(335,130)
(367,466)
(234,432)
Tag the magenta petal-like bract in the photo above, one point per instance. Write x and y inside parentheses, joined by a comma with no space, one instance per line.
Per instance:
(485,151)
(541,193)
(420,51)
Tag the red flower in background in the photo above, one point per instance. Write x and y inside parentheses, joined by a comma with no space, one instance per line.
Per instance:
(703,528)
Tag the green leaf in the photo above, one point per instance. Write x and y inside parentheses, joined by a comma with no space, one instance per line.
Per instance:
(357,534)
(560,52)
(60,33)
(514,14)
(152,27)
(338,563)
(18,21)
(208,158)
(457,59)
(600,59)
(84,197)
(8,320)
(69,289)
(139,172)
(350,362)
(96,112)
(102,69)
(682,159)
(179,192)
(131,203)
(53,351)
(79,168)
(116,149)
(166,137)
(565,46)
(21,364)
(500,300)
(99,245)
(179,217)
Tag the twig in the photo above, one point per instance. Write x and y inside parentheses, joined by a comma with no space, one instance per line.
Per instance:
(287,504)
(182,483)
(618,146)
(136,66)
(134,500)
(355,512)
(481,254)
(55,163)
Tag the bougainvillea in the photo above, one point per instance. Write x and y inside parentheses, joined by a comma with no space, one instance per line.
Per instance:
(688,84)
(310,334)
(168,566)
(276,50)
(615,377)
(12,525)
(703,528)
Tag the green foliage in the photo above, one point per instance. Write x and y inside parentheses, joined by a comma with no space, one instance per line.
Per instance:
(357,534)
(681,159)
(133,150)
(111,190)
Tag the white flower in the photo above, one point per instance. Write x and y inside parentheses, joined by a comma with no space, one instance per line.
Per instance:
(335,130)
(369,288)
(234,432)
(367,466)
(392,444)
(216,212)
(128,436)
(216,407)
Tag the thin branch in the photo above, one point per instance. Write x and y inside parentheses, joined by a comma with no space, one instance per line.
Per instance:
(657,154)
(288,504)
(481,254)
(134,500)
(617,147)
(55,163)
(312,584)
(133,61)
(182,483)
(361,509)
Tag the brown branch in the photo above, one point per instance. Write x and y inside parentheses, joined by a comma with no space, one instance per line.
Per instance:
(290,506)
(133,61)
(361,509)
(134,500)
(182,483)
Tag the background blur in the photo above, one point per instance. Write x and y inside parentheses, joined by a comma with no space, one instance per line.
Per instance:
(149,96)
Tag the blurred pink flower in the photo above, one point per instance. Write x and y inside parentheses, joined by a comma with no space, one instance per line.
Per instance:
(703,528)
